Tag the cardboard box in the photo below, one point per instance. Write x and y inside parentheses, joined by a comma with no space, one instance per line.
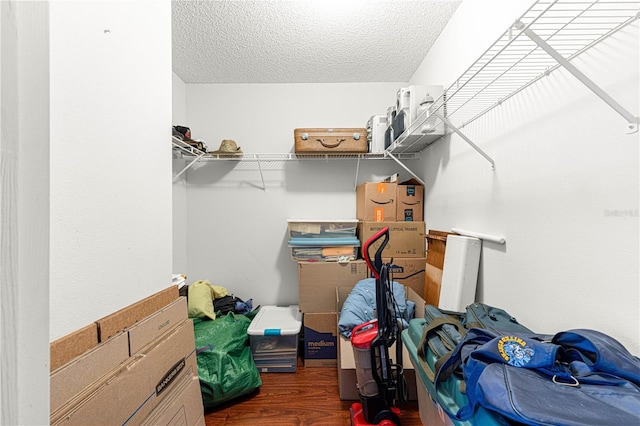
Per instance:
(347,382)
(409,272)
(182,406)
(81,373)
(126,317)
(376,201)
(406,239)
(170,358)
(72,345)
(155,325)
(128,394)
(110,401)
(317,282)
(320,339)
(410,201)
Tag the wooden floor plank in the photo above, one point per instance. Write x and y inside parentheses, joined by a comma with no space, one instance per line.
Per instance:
(308,397)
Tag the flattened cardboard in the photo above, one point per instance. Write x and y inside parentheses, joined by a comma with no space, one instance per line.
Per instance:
(172,357)
(84,371)
(129,394)
(409,271)
(126,317)
(155,325)
(72,345)
(410,201)
(347,382)
(436,248)
(320,339)
(432,284)
(112,401)
(182,406)
(376,201)
(317,282)
(406,239)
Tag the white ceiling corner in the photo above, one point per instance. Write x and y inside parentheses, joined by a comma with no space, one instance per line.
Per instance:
(304,41)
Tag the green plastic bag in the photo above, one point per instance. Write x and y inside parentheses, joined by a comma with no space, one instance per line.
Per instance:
(225,364)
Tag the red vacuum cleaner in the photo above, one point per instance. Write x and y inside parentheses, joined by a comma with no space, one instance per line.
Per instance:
(381,383)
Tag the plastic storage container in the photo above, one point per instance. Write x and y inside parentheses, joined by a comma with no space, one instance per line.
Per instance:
(273,334)
(340,250)
(322,228)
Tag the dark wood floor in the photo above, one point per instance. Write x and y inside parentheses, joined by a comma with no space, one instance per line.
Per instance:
(307,397)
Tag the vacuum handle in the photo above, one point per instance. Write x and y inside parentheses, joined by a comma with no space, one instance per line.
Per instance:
(377,264)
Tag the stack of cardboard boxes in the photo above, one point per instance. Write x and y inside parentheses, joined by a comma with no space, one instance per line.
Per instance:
(400,207)
(136,366)
(323,286)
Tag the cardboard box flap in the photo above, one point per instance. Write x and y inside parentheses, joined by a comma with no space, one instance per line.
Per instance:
(72,345)
(125,317)
(155,325)
(183,406)
(83,372)
(133,390)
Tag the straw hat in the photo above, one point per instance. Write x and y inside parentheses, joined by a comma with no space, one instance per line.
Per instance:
(227,146)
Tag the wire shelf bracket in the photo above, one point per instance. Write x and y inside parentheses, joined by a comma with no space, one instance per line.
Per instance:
(632,121)
(394,158)
(466,139)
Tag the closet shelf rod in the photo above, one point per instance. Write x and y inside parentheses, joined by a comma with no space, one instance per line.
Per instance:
(487,237)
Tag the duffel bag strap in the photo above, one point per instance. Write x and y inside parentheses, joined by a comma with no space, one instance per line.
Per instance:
(433,326)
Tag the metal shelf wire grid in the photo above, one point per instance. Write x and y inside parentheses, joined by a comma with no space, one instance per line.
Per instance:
(515,61)
(183,150)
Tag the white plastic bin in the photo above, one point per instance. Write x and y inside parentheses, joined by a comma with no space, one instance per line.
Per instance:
(273,334)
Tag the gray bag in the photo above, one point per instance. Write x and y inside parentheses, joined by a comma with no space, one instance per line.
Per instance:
(444,330)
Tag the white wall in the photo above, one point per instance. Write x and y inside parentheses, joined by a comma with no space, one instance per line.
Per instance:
(564,168)
(237,231)
(24,224)
(179,203)
(110,157)
(565,189)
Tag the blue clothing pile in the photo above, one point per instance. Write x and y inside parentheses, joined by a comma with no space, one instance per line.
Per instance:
(360,305)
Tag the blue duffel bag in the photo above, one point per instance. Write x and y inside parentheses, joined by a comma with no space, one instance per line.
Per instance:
(576,377)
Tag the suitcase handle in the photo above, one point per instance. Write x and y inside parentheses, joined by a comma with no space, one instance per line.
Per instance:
(327,145)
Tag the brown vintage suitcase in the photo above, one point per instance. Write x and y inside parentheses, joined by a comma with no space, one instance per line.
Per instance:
(327,141)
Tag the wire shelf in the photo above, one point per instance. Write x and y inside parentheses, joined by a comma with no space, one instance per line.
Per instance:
(184,150)
(548,35)
(516,60)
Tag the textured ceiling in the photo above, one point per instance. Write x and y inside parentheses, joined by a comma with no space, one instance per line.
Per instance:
(304,41)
